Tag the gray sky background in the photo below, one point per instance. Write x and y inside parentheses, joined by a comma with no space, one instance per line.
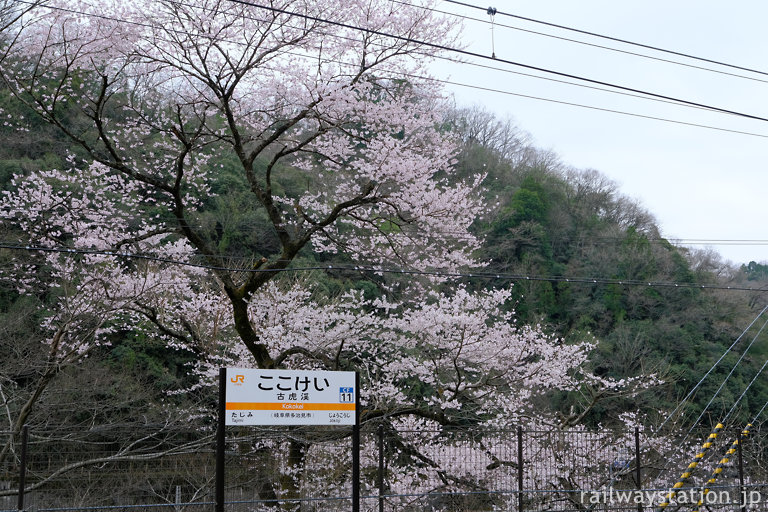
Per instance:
(701,185)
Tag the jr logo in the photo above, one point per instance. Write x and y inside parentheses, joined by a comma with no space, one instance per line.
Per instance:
(238,379)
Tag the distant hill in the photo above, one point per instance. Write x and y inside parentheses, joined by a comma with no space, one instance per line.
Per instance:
(588,258)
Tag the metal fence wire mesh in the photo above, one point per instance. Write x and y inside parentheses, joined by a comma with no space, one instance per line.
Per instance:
(156,468)
(110,467)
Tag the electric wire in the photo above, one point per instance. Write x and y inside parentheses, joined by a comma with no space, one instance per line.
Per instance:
(762,409)
(727,377)
(616,477)
(592,45)
(724,419)
(562,102)
(499,276)
(639,94)
(432,273)
(614,39)
(426,78)
(725,381)
(743,393)
(572,104)
(505,91)
(475,64)
(608,110)
(734,448)
(486,57)
(555,80)
(712,368)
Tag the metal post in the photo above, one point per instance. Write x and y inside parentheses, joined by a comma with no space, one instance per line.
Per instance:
(220,440)
(177,502)
(23,466)
(638,474)
(356,449)
(742,490)
(381,468)
(520,468)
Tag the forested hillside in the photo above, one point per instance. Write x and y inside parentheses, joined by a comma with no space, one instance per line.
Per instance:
(550,231)
(575,237)
(157,226)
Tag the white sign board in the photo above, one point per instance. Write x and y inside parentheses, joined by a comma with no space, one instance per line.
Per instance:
(289,397)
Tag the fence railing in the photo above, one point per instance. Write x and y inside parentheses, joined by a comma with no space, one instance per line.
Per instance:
(155,468)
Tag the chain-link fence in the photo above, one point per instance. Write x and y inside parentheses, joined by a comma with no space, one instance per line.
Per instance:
(156,468)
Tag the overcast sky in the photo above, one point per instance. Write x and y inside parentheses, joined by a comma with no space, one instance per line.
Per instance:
(700,184)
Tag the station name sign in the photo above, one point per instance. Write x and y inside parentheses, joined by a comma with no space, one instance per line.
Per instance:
(289,397)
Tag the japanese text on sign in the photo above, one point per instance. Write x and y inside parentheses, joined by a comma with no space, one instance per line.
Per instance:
(289,397)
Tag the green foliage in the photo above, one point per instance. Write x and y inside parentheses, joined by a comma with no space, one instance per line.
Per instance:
(150,361)
(544,223)
(755,271)
(548,223)
(38,146)
(530,203)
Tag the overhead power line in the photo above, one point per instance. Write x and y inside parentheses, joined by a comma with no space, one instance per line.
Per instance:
(384,270)
(486,57)
(592,45)
(602,109)
(690,394)
(500,91)
(568,103)
(729,375)
(611,38)
(723,420)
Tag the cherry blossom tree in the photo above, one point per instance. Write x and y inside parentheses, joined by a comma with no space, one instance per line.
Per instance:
(162,90)
(339,155)
(11,13)
(88,296)
(450,359)
(450,373)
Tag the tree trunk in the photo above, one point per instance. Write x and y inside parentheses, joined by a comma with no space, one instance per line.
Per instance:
(290,480)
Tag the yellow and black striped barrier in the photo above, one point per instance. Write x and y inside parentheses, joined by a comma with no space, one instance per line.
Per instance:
(721,465)
(710,442)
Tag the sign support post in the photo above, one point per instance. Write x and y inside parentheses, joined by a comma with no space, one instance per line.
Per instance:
(220,440)
(356,449)
(23,466)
